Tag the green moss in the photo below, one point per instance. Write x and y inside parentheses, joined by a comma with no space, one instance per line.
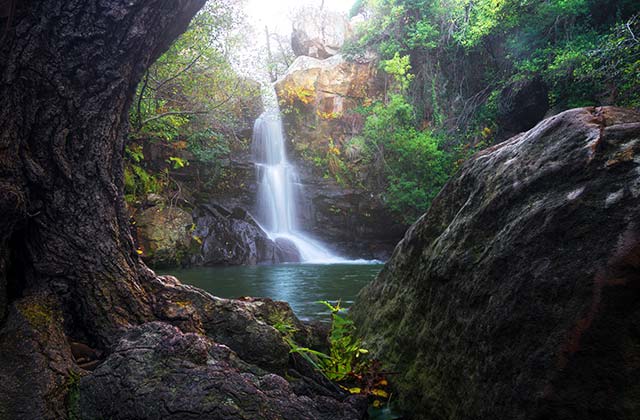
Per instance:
(73,396)
(38,314)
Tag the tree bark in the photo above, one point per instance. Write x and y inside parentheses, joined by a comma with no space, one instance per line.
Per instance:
(68,72)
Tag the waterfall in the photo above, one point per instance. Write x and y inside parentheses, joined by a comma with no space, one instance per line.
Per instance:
(278,186)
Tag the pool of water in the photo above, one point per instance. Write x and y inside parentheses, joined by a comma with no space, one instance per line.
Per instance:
(302,285)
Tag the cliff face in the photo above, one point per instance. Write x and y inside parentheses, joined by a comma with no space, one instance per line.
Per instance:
(516,295)
(318,99)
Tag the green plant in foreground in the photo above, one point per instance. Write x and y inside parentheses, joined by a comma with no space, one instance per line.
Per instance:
(346,363)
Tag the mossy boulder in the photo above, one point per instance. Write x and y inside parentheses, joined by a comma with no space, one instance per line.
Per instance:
(35,361)
(517,295)
(165,235)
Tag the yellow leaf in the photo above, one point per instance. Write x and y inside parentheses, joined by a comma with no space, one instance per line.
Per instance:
(139,251)
(380,393)
(377,404)
(383,382)
(355,390)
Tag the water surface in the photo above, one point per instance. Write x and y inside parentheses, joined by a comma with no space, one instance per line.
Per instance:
(302,285)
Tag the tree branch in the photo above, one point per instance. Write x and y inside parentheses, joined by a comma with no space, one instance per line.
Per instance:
(166,114)
(175,76)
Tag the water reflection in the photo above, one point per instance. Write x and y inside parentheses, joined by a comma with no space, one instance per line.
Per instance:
(299,284)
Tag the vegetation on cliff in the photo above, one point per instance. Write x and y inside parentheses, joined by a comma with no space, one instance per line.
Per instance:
(463,75)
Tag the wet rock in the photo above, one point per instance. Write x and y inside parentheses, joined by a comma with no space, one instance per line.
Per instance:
(35,361)
(286,251)
(231,238)
(353,222)
(516,295)
(164,234)
(319,33)
(521,105)
(156,371)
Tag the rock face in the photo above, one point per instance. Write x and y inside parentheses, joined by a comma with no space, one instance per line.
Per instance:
(156,371)
(521,105)
(287,251)
(318,99)
(516,295)
(164,234)
(235,238)
(319,34)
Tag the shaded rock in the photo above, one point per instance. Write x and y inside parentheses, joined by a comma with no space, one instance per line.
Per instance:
(516,296)
(319,33)
(231,238)
(156,371)
(521,105)
(35,361)
(286,251)
(3,285)
(164,234)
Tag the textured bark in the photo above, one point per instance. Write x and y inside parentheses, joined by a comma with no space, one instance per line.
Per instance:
(68,71)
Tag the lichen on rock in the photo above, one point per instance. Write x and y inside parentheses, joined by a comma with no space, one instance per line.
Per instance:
(516,295)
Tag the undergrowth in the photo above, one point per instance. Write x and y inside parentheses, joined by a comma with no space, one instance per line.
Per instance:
(347,363)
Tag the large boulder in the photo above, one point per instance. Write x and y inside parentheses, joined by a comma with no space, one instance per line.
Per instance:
(517,295)
(164,233)
(157,371)
(233,237)
(230,238)
(287,251)
(319,33)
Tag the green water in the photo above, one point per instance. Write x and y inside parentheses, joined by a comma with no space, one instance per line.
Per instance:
(302,285)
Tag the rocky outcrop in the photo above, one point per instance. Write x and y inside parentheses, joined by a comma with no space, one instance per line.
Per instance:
(318,99)
(208,235)
(197,357)
(287,250)
(156,371)
(164,233)
(516,295)
(356,224)
(319,33)
(235,238)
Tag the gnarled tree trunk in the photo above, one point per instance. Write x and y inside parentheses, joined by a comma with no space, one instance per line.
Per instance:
(68,70)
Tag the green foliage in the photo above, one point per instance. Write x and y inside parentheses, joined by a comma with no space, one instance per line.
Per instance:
(138,182)
(399,68)
(177,162)
(415,165)
(193,83)
(208,146)
(345,352)
(585,56)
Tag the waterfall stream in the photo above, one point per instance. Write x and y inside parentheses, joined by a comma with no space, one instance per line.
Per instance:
(278,187)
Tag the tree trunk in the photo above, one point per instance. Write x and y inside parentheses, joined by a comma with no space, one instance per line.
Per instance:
(68,72)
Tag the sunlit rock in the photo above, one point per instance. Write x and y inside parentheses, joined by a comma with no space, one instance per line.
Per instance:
(319,34)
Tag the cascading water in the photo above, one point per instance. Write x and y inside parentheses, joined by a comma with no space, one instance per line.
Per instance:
(277,187)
